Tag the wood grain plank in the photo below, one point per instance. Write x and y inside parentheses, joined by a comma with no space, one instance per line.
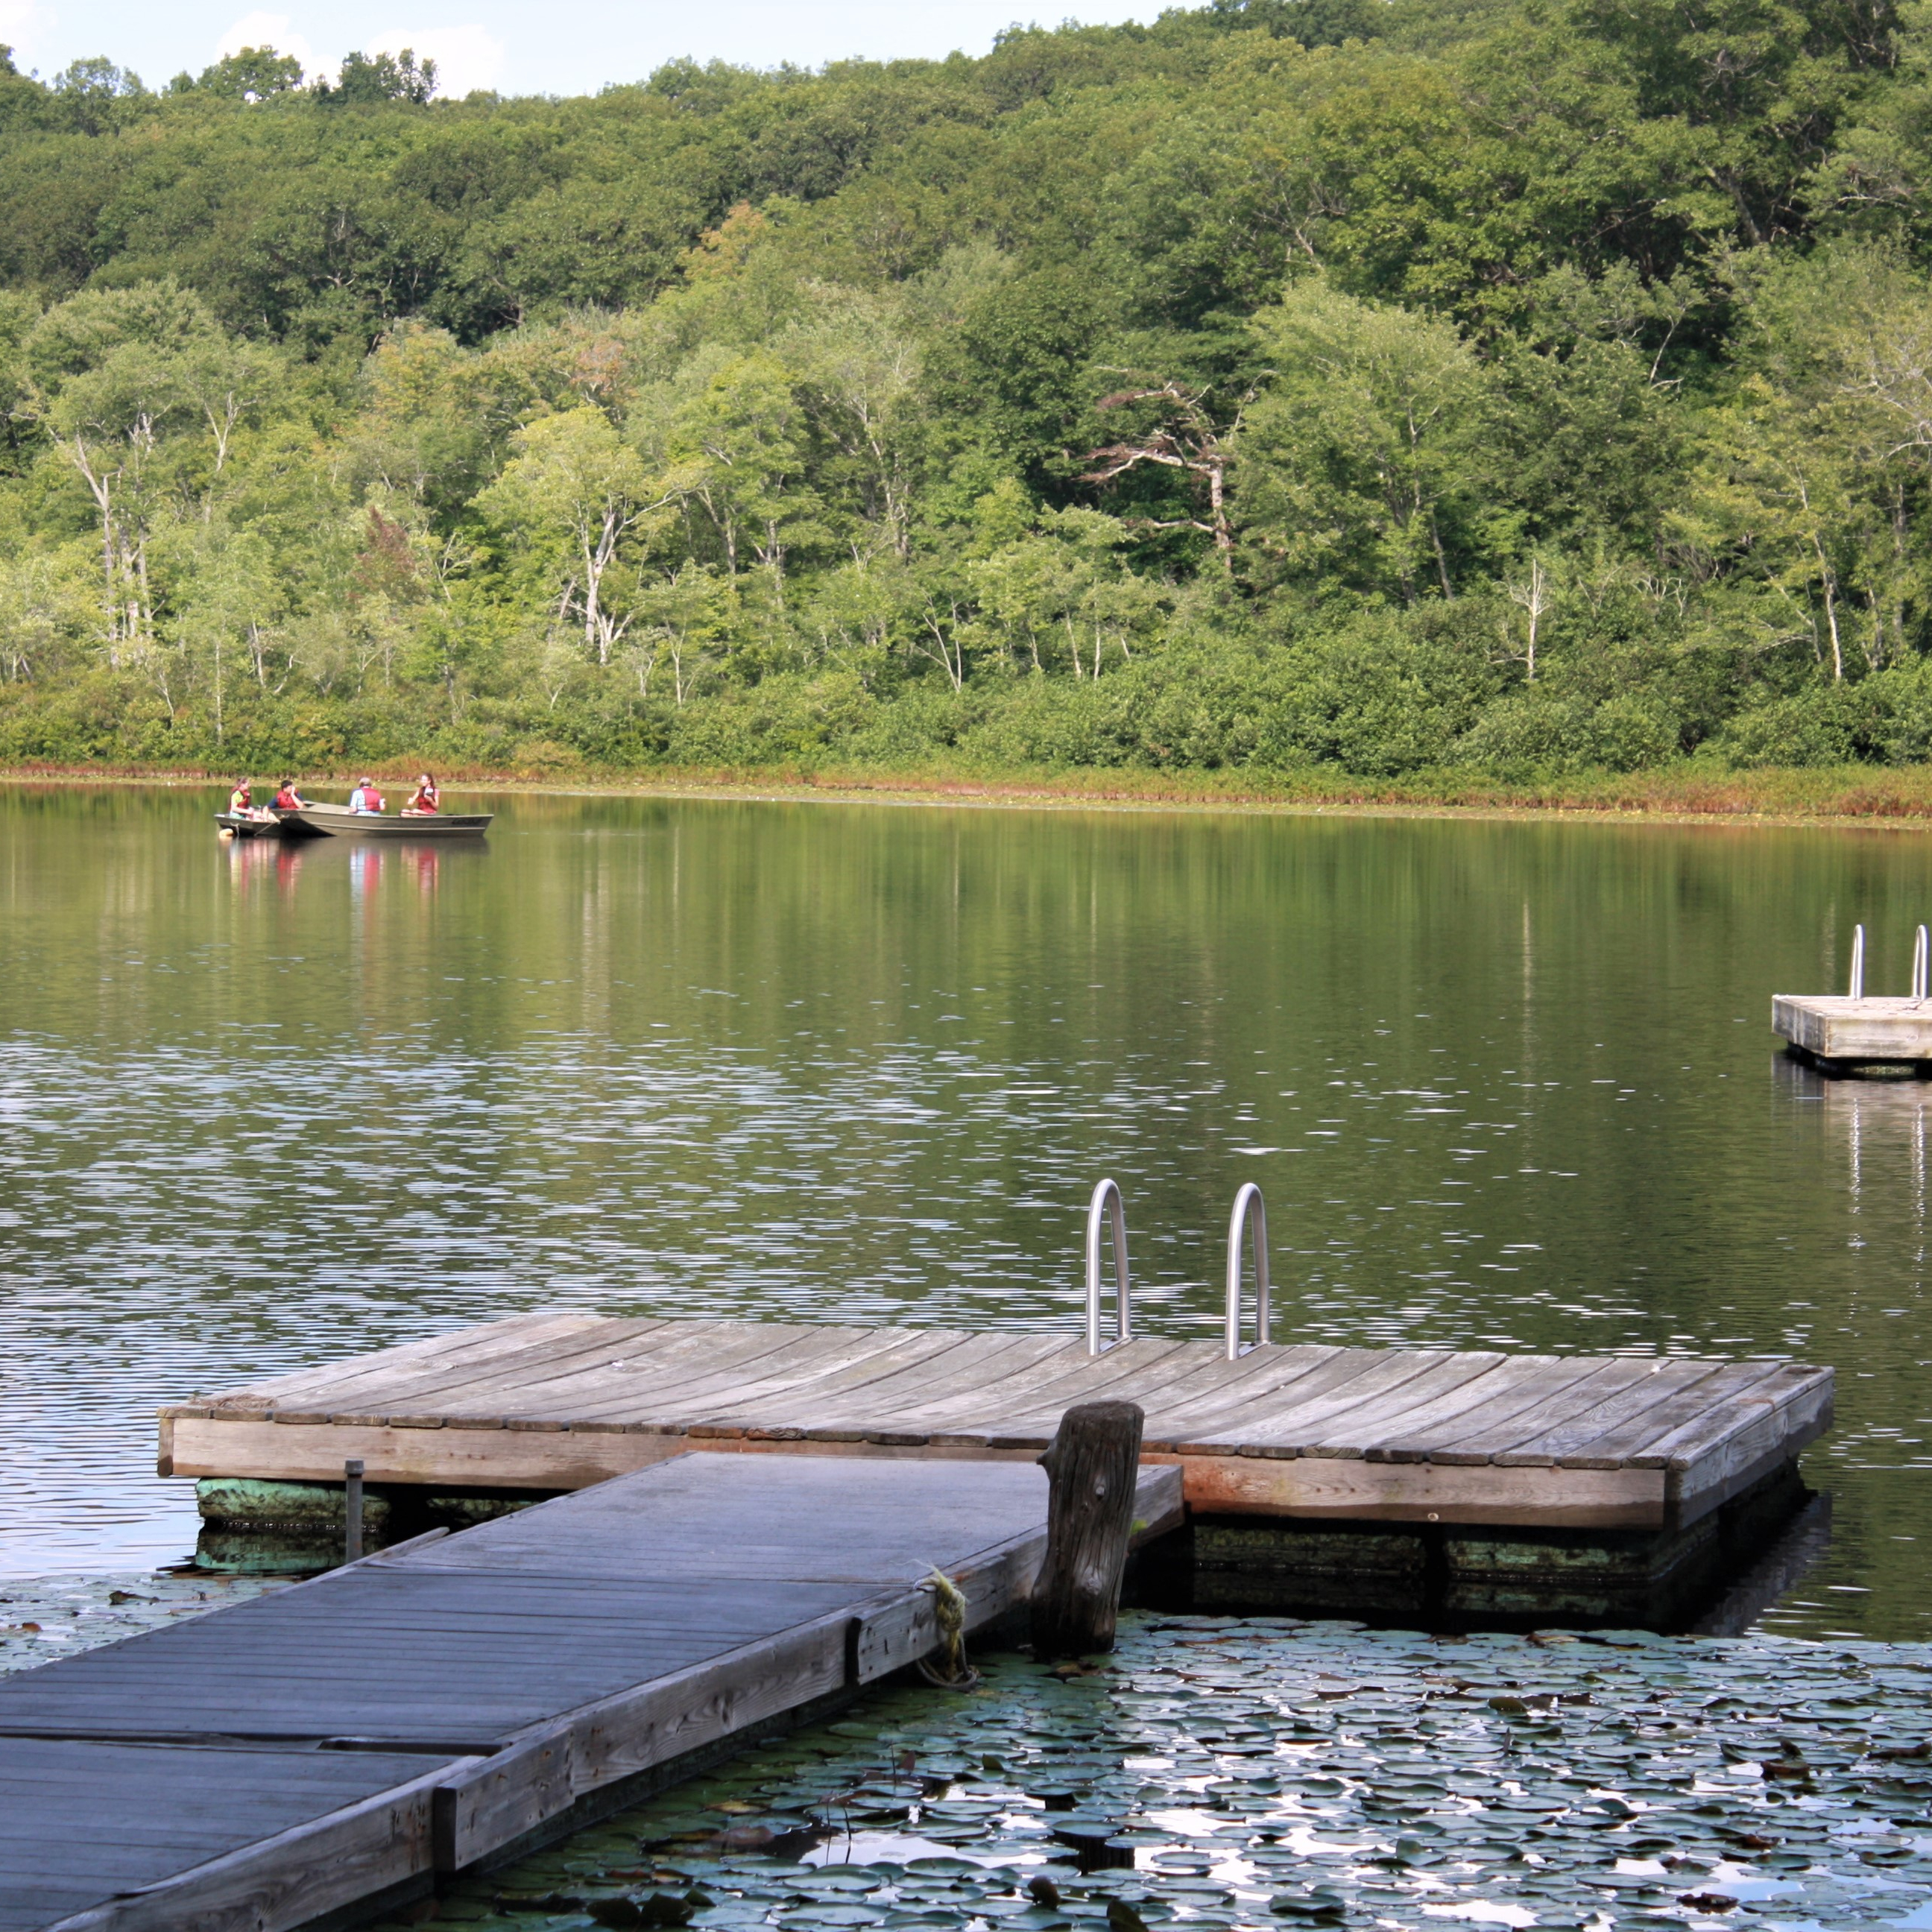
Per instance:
(666,1346)
(991,1387)
(1304,1425)
(1590,1438)
(1031,1399)
(674,1399)
(696,1395)
(1246,1414)
(512,1332)
(903,1628)
(1694,1401)
(1737,1398)
(428,1363)
(1183,1377)
(1527,1385)
(903,1394)
(479,1458)
(1486,1437)
(340,1852)
(730,1517)
(817,1375)
(480,1806)
(1697,1484)
(1265,1382)
(1448,1388)
(472,1381)
(1338,1488)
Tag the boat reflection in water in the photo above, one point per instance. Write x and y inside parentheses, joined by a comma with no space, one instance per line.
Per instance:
(253,862)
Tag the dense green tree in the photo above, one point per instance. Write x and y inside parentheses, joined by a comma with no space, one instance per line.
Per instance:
(1531,384)
(1362,466)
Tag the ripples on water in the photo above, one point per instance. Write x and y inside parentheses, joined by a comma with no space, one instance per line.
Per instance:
(1504,1085)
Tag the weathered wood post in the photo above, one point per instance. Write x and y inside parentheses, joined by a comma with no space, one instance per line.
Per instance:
(352,1512)
(1091,1465)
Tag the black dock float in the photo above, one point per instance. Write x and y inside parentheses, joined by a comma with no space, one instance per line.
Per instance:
(344,1741)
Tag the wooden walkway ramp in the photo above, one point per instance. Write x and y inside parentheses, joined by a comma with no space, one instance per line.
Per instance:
(344,1739)
(562,1401)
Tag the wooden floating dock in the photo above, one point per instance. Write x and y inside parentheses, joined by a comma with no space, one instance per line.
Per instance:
(558,1402)
(1851,1034)
(340,1743)
(1838,1032)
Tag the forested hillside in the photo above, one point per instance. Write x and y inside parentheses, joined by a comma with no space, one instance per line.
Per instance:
(1519,385)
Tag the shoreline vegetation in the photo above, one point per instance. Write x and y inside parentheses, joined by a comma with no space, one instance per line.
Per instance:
(1372,400)
(1857,797)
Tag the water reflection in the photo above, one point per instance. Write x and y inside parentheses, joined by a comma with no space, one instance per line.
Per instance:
(1504,1085)
(1883,1116)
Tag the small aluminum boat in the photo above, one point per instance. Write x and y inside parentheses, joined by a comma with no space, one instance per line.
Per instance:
(337,821)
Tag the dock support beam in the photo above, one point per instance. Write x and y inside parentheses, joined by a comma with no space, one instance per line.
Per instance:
(352,1512)
(1091,1466)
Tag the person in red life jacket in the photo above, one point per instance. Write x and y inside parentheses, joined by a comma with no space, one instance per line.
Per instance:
(241,801)
(288,799)
(242,806)
(365,798)
(424,799)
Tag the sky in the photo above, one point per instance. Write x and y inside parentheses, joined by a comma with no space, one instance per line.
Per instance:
(562,46)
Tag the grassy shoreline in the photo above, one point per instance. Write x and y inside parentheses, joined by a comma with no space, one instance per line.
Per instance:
(1896,799)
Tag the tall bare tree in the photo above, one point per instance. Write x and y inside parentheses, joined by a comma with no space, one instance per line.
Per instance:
(1185,437)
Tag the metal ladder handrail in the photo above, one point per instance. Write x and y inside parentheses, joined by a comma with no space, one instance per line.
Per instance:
(1921,959)
(1856,990)
(1106,1197)
(1251,1211)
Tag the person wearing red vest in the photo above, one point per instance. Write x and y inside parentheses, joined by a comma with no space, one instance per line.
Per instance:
(365,798)
(424,800)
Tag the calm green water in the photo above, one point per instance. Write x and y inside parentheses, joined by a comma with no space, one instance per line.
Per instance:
(1504,1084)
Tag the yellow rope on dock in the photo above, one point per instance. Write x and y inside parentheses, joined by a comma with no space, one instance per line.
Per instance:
(953,1671)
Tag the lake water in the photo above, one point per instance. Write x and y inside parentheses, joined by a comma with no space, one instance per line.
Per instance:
(1505,1084)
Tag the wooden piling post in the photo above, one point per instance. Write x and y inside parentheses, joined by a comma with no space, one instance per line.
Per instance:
(1091,1466)
(352,1511)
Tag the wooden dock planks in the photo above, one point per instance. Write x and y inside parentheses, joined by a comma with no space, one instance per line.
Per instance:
(548,1403)
(129,1838)
(418,1711)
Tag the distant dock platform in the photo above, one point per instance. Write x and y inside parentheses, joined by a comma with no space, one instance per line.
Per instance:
(1851,1033)
(1838,1032)
(562,1401)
